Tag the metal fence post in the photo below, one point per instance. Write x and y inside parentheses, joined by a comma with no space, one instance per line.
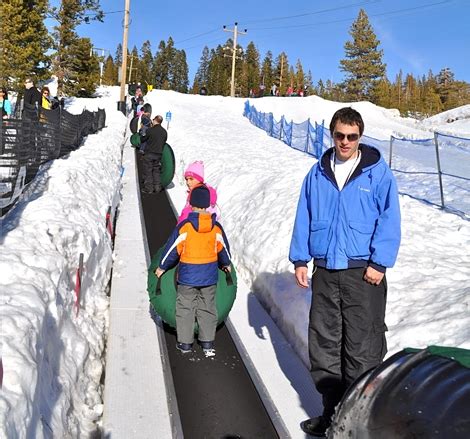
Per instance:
(308,134)
(282,127)
(439,172)
(390,153)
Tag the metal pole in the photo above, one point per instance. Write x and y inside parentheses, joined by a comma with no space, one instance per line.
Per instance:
(390,153)
(124,56)
(439,172)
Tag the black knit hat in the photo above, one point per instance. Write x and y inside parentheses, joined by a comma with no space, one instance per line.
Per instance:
(200,197)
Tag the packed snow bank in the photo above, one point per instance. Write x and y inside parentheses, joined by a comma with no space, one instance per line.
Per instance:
(53,359)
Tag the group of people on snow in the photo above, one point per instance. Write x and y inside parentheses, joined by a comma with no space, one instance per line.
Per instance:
(33,99)
(347,222)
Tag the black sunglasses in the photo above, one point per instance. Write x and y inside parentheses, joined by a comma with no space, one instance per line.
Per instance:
(340,136)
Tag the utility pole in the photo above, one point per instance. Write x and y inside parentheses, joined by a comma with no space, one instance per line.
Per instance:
(235,32)
(122,102)
(131,68)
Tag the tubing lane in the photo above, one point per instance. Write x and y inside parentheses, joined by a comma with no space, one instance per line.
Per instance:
(216,397)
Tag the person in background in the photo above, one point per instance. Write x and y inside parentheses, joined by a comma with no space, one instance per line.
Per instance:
(136,98)
(46,102)
(200,247)
(348,222)
(145,123)
(140,104)
(5,104)
(32,96)
(156,137)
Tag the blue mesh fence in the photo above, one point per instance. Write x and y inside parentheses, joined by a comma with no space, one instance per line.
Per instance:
(303,136)
(435,170)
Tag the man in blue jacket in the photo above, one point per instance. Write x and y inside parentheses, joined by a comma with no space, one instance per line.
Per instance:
(348,222)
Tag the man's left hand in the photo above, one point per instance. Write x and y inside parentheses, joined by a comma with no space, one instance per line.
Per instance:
(159,272)
(373,276)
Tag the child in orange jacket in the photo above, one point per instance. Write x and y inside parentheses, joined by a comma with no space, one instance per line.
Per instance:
(200,247)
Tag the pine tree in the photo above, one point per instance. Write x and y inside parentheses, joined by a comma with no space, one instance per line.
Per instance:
(431,102)
(396,99)
(110,75)
(146,62)
(84,73)
(219,71)
(24,41)
(363,64)
(309,83)
(251,79)
(69,15)
(179,72)
(201,78)
(267,76)
(381,94)
(320,89)
(118,55)
(299,76)
(162,65)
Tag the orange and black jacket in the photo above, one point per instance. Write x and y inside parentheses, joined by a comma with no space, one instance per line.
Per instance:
(200,247)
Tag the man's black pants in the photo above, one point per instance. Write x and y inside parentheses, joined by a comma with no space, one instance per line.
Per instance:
(346,330)
(151,170)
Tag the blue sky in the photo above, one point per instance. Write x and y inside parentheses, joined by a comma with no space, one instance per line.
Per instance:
(416,35)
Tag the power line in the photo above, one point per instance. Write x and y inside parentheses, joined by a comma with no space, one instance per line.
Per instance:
(202,44)
(197,36)
(313,13)
(297,26)
(104,13)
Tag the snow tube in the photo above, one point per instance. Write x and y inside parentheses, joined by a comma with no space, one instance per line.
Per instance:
(168,165)
(162,292)
(416,393)
(135,139)
(134,124)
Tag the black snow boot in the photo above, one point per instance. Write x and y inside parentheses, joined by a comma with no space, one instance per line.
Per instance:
(316,426)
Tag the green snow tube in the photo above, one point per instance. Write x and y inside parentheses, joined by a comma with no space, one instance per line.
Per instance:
(163,296)
(135,139)
(168,161)
(168,165)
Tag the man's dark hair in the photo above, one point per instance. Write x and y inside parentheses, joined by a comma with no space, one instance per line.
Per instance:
(158,119)
(147,108)
(348,116)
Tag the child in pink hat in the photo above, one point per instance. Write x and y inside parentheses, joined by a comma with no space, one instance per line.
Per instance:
(194,176)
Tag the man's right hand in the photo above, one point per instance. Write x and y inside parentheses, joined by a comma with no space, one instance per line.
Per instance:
(301,276)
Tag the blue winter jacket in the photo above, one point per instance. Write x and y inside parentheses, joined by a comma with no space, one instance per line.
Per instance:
(354,227)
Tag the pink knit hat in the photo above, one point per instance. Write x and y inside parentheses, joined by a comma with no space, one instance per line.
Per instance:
(195,170)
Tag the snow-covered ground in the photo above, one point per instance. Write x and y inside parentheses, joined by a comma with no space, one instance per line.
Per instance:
(53,360)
